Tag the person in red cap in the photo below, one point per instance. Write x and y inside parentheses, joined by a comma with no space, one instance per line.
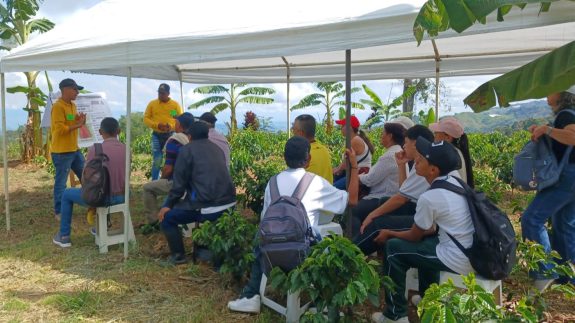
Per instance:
(363,149)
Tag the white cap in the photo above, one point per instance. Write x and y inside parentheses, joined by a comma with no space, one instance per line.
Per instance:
(571,89)
(404,121)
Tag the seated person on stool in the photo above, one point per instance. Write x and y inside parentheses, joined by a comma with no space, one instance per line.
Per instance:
(419,247)
(202,189)
(163,185)
(395,212)
(116,152)
(320,198)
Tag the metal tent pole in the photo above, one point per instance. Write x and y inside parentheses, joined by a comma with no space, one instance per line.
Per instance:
(348,230)
(288,75)
(437,60)
(127,226)
(4,152)
(182,91)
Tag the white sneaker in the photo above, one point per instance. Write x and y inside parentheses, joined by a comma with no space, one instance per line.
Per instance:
(378,317)
(246,305)
(542,284)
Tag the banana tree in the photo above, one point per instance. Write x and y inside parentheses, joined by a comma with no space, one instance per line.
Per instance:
(17,23)
(333,96)
(382,111)
(230,98)
(438,16)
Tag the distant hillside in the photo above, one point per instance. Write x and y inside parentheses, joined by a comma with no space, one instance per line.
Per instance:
(515,117)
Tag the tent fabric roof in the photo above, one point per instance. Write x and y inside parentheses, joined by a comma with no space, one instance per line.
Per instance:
(224,42)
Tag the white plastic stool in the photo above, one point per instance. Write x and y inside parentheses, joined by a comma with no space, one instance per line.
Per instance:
(105,238)
(324,229)
(411,281)
(292,311)
(492,286)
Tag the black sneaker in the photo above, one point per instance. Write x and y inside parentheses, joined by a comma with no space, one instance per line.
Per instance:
(178,259)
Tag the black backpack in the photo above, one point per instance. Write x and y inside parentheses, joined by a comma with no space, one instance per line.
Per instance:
(96,179)
(285,233)
(492,253)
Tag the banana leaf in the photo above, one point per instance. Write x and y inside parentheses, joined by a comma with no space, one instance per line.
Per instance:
(551,73)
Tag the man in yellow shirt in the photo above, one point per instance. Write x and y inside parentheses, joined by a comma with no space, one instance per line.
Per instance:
(320,163)
(160,117)
(64,124)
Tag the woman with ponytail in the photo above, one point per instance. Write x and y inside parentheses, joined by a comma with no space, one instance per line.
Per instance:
(451,130)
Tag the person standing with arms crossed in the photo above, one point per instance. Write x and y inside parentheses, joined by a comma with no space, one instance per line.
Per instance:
(64,124)
(160,117)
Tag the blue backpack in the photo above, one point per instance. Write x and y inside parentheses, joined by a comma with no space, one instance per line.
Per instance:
(535,166)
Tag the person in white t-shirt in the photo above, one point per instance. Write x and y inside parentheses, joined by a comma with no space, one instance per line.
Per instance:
(395,212)
(419,247)
(321,198)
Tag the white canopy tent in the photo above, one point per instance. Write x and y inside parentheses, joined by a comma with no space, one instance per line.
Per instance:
(256,41)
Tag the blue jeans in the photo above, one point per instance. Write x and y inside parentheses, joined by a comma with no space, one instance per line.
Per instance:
(73,196)
(158,143)
(176,217)
(63,162)
(558,203)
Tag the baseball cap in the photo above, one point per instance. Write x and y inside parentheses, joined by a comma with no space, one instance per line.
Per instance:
(164,88)
(353,120)
(449,125)
(185,119)
(440,153)
(69,83)
(571,89)
(208,117)
(404,121)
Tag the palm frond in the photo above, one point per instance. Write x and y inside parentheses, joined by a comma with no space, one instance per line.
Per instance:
(326,86)
(257,91)
(370,103)
(407,93)
(40,25)
(219,108)
(354,105)
(208,100)
(256,100)
(374,97)
(309,101)
(211,89)
(341,94)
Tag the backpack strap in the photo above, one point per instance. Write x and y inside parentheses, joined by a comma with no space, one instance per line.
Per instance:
(98,149)
(274,190)
(458,190)
(303,185)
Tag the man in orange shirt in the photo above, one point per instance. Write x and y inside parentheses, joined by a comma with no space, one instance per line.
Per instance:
(64,124)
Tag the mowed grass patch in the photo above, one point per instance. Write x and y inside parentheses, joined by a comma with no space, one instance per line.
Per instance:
(40,281)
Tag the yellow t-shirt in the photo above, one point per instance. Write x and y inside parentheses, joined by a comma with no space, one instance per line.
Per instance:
(63,116)
(162,112)
(320,163)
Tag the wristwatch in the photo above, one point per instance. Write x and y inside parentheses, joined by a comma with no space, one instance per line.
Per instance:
(549,129)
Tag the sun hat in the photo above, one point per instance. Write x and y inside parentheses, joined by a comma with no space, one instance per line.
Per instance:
(449,125)
(404,121)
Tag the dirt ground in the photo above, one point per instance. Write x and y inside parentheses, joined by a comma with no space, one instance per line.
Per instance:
(43,282)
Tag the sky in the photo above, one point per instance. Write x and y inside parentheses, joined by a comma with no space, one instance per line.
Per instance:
(144,90)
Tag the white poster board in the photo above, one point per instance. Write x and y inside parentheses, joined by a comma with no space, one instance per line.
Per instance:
(94,106)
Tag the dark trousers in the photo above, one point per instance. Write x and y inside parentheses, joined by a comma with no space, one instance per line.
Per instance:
(399,257)
(176,217)
(399,220)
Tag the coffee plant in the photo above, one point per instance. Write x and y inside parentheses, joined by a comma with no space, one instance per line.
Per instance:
(231,241)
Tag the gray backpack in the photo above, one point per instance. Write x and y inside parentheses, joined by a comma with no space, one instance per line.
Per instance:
(285,233)
(535,166)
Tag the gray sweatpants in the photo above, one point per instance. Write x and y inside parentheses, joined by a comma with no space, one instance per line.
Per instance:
(152,191)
